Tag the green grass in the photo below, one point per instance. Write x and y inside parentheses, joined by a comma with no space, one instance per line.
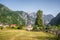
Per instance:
(25,35)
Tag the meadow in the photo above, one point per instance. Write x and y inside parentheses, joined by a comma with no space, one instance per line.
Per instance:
(25,35)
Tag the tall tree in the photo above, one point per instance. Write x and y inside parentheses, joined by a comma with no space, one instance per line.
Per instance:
(38,20)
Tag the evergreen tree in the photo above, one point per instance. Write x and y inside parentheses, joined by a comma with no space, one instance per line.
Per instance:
(38,21)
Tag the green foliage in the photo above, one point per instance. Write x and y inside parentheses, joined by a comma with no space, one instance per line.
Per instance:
(54,27)
(8,16)
(20,27)
(35,27)
(1,27)
(16,27)
(38,20)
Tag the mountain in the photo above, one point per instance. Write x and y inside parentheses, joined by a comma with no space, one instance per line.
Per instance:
(47,18)
(55,20)
(8,16)
(32,17)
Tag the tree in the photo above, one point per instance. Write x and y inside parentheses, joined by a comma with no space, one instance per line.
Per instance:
(38,20)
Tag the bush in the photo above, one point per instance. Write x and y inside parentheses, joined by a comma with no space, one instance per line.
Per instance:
(19,27)
(1,27)
(46,29)
(12,27)
(34,27)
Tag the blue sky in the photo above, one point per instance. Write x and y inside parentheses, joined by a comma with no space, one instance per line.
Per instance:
(47,6)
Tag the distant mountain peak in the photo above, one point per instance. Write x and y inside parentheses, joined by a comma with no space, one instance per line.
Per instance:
(47,18)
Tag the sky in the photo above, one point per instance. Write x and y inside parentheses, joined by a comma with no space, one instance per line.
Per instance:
(47,6)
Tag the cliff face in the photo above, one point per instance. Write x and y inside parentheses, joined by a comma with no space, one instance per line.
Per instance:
(47,18)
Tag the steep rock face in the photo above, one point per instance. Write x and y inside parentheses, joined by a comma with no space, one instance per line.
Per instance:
(47,18)
(55,20)
(32,17)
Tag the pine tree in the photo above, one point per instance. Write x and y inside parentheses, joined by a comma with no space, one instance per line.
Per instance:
(38,21)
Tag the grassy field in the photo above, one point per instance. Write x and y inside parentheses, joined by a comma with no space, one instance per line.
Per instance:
(25,35)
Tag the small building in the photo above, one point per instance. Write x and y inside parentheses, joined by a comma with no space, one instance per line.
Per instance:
(3,25)
(13,25)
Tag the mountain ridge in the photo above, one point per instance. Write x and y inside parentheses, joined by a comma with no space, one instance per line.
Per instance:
(55,20)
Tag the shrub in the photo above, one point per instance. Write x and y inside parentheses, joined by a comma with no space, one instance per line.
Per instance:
(34,27)
(1,27)
(46,29)
(19,27)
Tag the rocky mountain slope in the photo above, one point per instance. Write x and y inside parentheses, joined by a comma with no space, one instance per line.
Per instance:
(55,20)
(47,18)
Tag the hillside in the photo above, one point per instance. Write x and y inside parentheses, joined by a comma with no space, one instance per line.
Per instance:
(8,16)
(55,20)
